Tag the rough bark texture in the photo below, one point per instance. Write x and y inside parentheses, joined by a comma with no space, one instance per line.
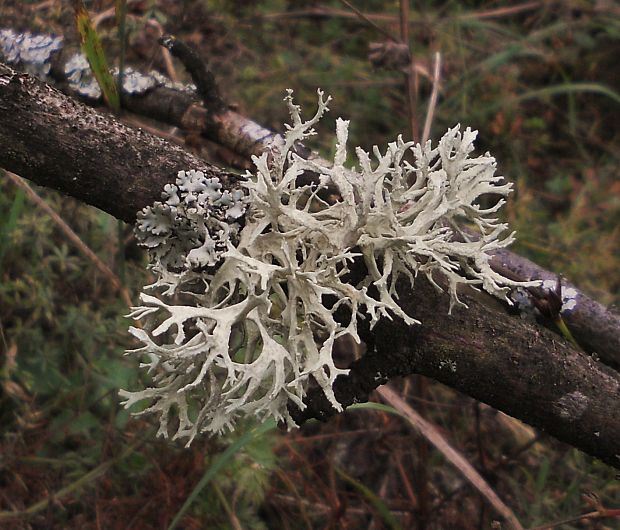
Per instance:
(517,367)
(182,109)
(57,142)
(595,328)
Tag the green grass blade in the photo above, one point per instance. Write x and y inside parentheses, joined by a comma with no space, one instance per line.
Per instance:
(570,88)
(371,405)
(389,520)
(219,463)
(91,47)
(559,321)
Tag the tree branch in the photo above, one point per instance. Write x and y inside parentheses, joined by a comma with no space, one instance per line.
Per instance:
(520,368)
(59,143)
(517,367)
(596,329)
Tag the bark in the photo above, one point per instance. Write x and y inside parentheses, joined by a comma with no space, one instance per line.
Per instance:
(59,143)
(520,368)
(186,110)
(517,367)
(596,329)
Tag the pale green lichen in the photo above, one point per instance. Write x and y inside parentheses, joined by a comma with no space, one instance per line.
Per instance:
(243,318)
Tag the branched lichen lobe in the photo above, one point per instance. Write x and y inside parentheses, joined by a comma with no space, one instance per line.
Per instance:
(244,317)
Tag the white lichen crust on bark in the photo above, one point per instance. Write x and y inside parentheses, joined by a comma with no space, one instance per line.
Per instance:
(242,318)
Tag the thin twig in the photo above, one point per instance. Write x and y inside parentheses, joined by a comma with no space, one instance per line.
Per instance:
(598,514)
(361,15)
(165,53)
(430,432)
(314,12)
(232,516)
(72,236)
(109,13)
(206,85)
(406,482)
(290,484)
(501,11)
(404,21)
(432,103)
(383,17)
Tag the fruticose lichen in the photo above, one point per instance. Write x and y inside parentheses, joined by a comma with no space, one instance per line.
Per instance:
(243,316)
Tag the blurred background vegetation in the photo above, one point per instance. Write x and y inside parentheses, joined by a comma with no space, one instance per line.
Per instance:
(539,80)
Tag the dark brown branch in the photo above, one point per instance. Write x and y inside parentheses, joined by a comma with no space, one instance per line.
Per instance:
(517,367)
(520,368)
(203,78)
(596,329)
(57,142)
(213,119)
(228,128)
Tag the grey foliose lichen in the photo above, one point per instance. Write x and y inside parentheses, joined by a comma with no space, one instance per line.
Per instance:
(243,321)
(568,295)
(32,52)
(525,303)
(522,301)
(81,78)
(191,228)
(82,81)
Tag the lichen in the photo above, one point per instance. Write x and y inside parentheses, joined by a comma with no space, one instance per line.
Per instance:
(570,407)
(82,80)
(568,295)
(525,301)
(31,51)
(34,52)
(243,318)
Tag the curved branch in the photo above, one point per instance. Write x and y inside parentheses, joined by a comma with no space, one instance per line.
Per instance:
(57,142)
(596,329)
(517,367)
(514,366)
